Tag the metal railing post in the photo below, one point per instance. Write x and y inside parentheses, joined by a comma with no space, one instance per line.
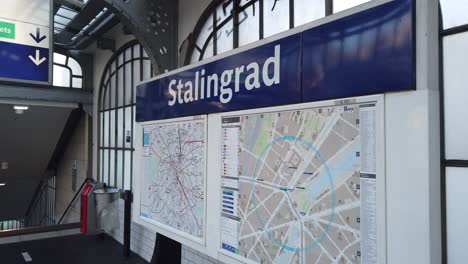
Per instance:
(128,197)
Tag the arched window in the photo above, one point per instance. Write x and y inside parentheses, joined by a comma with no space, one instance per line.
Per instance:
(67,72)
(229,24)
(128,66)
(454,113)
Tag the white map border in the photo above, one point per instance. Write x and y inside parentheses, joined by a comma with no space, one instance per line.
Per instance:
(210,244)
(379,100)
(152,224)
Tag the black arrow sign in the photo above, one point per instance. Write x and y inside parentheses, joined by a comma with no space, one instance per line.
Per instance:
(37,37)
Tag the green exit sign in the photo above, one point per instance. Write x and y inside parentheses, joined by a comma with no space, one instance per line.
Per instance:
(7,30)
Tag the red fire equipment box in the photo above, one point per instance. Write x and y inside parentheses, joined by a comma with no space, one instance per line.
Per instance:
(88,212)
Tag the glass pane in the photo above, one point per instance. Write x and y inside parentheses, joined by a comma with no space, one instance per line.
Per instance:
(134,117)
(61,76)
(101,131)
(136,51)
(101,157)
(61,20)
(205,32)
(120,127)
(454,12)
(59,58)
(224,34)
(276,17)
(113,91)
(127,170)
(105,142)
(136,70)
(120,59)
(195,56)
(249,25)
(66,12)
(106,97)
(120,168)
(128,83)
(77,83)
(308,10)
(120,87)
(112,128)
(457,215)
(112,67)
(456,96)
(209,50)
(128,127)
(340,5)
(75,67)
(112,168)
(128,54)
(147,69)
(105,166)
(101,162)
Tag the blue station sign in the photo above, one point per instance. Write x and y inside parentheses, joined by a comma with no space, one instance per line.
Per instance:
(25,44)
(366,53)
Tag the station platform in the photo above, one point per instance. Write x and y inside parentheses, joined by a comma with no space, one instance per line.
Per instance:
(75,249)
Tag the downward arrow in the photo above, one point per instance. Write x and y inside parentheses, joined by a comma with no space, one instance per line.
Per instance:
(38,61)
(37,37)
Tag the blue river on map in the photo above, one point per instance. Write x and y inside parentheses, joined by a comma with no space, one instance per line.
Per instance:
(340,167)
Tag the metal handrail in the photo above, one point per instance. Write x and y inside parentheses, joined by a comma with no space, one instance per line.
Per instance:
(74,198)
(42,188)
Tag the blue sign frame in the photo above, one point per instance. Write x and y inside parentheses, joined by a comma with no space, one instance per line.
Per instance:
(369,52)
(366,53)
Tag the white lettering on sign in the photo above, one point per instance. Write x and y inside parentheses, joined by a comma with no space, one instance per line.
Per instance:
(5,30)
(214,85)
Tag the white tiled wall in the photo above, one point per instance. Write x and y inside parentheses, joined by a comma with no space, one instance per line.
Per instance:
(190,256)
(142,242)
(141,239)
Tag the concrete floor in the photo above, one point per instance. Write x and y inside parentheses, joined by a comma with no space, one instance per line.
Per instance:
(75,249)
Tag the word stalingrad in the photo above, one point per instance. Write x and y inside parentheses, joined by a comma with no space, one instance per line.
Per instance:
(213,85)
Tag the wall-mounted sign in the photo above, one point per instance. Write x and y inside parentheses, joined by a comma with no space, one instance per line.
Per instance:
(258,77)
(25,28)
(366,53)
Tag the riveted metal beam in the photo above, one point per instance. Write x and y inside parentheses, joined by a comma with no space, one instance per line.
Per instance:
(154,24)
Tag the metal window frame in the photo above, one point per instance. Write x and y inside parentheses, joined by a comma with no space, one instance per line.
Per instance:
(445,163)
(110,96)
(210,13)
(72,74)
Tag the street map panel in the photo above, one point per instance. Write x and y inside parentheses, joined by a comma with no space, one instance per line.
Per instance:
(291,186)
(174,175)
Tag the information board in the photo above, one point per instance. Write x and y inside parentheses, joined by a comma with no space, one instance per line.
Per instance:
(25,40)
(300,186)
(173,166)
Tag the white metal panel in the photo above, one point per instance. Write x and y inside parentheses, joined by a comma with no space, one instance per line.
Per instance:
(457,215)
(456,96)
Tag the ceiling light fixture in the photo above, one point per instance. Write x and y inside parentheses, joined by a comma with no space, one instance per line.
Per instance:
(19,109)
(2,184)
